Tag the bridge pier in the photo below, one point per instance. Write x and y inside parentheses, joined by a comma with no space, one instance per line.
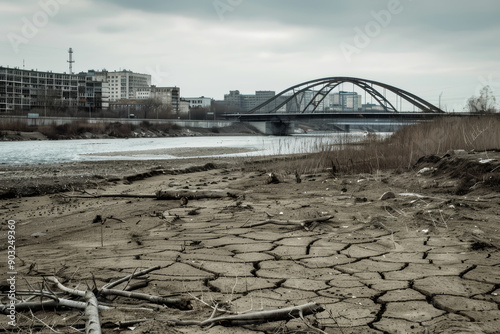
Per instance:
(275,128)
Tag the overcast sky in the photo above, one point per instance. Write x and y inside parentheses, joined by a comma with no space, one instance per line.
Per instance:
(208,47)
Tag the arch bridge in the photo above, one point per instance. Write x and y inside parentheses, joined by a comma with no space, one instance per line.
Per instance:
(313,105)
(308,96)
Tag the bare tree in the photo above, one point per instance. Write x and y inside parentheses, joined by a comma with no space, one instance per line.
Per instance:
(198,113)
(156,108)
(484,104)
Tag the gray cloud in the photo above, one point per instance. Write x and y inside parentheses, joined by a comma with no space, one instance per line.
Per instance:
(427,45)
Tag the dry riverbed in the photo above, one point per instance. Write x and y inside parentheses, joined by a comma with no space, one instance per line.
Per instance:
(422,259)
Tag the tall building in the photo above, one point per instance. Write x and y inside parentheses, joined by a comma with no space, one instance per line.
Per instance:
(93,93)
(233,100)
(346,101)
(125,84)
(29,89)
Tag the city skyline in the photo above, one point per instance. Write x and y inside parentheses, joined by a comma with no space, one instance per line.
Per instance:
(208,48)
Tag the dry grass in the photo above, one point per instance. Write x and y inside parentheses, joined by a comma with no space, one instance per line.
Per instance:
(400,151)
(17,126)
(71,130)
(77,128)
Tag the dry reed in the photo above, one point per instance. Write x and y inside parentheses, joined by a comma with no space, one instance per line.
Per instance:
(403,148)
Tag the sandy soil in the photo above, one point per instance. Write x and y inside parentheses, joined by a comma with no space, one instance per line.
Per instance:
(423,260)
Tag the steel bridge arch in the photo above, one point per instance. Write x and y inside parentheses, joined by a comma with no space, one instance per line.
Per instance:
(329,84)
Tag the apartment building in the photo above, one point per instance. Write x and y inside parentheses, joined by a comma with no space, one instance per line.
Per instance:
(93,92)
(125,84)
(246,102)
(167,95)
(28,89)
(346,101)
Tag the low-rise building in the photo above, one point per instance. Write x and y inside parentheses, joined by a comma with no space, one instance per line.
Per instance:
(167,95)
(198,102)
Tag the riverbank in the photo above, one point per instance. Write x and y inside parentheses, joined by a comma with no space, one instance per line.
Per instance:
(385,239)
(17,131)
(386,252)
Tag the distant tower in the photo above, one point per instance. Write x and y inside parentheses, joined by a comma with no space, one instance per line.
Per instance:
(70,61)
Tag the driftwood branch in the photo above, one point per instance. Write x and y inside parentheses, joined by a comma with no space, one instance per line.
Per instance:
(127,278)
(60,302)
(182,304)
(93,324)
(106,290)
(257,317)
(190,195)
(137,285)
(288,313)
(75,292)
(111,195)
(167,195)
(305,223)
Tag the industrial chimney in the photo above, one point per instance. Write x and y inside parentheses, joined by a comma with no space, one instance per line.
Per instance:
(70,61)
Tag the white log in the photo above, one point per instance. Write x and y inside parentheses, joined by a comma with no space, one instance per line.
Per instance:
(93,324)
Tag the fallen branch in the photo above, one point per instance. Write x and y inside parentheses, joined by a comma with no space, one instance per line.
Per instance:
(305,223)
(60,302)
(166,195)
(256,317)
(107,290)
(124,324)
(111,195)
(190,195)
(75,292)
(93,324)
(181,304)
(127,278)
(137,285)
(288,313)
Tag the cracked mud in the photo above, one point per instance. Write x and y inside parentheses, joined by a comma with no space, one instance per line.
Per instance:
(425,261)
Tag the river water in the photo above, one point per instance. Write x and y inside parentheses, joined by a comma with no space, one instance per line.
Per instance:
(41,152)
